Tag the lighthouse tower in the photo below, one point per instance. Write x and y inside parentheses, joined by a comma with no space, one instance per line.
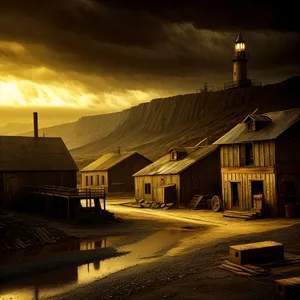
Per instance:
(240,58)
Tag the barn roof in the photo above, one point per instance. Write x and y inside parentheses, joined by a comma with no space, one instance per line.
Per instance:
(165,166)
(19,153)
(280,122)
(109,160)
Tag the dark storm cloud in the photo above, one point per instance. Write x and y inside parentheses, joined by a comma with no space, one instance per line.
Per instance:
(119,39)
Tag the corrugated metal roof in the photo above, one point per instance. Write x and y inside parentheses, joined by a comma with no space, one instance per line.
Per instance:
(19,153)
(107,161)
(281,121)
(165,166)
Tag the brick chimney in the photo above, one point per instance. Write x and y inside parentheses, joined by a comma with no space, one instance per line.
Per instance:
(119,150)
(35,125)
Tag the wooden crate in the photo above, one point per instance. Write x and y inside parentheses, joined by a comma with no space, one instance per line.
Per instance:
(262,252)
(288,288)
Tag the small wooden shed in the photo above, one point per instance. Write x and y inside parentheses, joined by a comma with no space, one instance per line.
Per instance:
(114,171)
(260,158)
(188,171)
(33,161)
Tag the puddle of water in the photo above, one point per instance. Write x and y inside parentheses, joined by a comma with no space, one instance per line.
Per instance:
(36,253)
(54,283)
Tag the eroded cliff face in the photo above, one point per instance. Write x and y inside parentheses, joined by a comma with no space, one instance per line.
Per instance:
(183,120)
(152,128)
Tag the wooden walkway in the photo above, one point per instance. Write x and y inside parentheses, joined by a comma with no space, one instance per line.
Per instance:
(70,199)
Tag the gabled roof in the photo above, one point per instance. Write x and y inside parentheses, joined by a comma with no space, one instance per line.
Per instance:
(109,160)
(165,166)
(181,150)
(281,121)
(19,153)
(259,118)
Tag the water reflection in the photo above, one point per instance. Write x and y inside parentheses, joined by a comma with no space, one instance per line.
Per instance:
(54,283)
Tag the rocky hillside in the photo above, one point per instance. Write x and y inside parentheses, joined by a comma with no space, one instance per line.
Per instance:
(153,127)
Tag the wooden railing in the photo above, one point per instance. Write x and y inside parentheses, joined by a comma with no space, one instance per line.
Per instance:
(79,192)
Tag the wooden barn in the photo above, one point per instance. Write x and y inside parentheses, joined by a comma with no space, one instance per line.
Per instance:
(35,161)
(261,156)
(179,175)
(114,171)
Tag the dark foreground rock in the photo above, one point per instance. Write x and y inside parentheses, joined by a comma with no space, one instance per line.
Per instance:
(20,232)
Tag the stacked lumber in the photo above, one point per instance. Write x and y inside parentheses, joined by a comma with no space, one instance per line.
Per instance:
(244,270)
(246,215)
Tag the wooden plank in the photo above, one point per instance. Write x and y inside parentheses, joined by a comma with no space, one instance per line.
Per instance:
(267,153)
(226,162)
(249,170)
(256,153)
(248,268)
(236,156)
(230,156)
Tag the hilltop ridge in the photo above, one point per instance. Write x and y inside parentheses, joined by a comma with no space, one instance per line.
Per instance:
(183,120)
(153,127)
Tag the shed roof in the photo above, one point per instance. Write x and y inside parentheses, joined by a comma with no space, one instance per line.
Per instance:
(281,121)
(19,153)
(259,118)
(109,160)
(165,166)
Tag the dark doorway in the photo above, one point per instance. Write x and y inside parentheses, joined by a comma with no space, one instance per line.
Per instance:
(290,192)
(235,194)
(257,187)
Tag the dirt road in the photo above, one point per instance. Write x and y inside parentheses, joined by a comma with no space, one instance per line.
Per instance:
(175,254)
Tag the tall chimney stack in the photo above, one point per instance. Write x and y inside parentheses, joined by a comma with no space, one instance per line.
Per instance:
(35,124)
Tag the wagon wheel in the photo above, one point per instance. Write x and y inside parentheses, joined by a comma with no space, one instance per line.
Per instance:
(216,203)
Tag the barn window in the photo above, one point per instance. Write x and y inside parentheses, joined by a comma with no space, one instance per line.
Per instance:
(250,125)
(147,188)
(173,155)
(92,180)
(98,180)
(102,180)
(249,161)
(86,180)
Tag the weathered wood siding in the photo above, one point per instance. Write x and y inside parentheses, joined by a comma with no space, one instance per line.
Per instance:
(204,178)
(156,182)
(86,180)
(245,191)
(12,182)
(263,154)
(120,177)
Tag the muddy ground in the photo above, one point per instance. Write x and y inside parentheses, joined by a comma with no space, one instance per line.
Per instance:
(175,254)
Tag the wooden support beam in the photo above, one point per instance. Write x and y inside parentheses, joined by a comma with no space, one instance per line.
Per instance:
(251,170)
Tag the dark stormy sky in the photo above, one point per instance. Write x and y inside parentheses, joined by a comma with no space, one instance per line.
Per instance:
(79,57)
